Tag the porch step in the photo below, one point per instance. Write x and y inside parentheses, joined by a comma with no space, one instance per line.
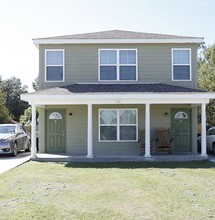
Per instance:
(154,158)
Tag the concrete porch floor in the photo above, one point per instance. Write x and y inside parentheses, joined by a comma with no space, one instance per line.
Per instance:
(44,157)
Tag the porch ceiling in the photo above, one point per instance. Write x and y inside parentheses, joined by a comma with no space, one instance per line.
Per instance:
(100,93)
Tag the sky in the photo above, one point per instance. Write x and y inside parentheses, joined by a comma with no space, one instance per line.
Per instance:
(23,20)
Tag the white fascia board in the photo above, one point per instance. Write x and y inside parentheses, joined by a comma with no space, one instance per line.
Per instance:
(194,98)
(116,41)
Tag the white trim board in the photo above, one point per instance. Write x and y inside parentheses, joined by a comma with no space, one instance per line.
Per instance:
(37,42)
(161,98)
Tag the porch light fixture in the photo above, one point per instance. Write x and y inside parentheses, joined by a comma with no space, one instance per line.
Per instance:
(166,114)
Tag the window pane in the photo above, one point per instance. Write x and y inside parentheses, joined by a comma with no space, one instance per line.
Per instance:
(127,73)
(127,56)
(127,132)
(107,72)
(181,57)
(108,117)
(54,57)
(127,117)
(54,73)
(108,133)
(181,72)
(107,57)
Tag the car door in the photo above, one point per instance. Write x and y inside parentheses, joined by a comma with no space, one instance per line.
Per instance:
(24,137)
(210,138)
(20,138)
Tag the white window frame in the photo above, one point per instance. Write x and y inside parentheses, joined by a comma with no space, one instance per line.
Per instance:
(118,124)
(47,50)
(118,65)
(190,79)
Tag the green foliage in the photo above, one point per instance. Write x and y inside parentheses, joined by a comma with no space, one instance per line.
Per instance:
(13,87)
(26,117)
(4,112)
(206,79)
(35,84)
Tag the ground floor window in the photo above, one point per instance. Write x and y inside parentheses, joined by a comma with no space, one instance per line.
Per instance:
(118,125)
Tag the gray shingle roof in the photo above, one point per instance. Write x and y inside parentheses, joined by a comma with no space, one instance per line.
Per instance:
(119,34)
(115,88)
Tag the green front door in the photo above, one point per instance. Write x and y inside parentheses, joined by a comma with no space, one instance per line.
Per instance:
(55,131)
(181,129)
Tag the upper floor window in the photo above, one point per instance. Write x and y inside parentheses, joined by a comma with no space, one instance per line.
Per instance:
(54,61)
(181,64)
(117,64)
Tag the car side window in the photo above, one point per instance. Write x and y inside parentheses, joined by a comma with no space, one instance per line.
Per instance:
(212,132)
(19,129)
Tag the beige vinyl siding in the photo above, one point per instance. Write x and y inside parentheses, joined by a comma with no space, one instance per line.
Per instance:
(154,63)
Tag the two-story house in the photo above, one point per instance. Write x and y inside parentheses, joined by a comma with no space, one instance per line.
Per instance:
(97,90)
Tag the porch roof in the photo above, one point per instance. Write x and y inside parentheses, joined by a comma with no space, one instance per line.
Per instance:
(115,88)
(87,92)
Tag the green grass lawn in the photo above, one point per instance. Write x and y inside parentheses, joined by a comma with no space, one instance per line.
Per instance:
(108,191)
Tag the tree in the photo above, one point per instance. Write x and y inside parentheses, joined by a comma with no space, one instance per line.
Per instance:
(4,112)
(35,84)
(206,79)
(12,88)
(26,118)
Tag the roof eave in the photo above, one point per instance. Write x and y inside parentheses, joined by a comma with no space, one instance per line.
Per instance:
(120,98)
(37,42)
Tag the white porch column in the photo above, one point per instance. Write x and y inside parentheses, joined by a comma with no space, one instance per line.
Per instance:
(147,131)
(89,132)
(33,131)
(203,140)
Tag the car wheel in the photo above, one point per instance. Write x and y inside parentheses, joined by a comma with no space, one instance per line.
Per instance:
(28,146)
(15,150)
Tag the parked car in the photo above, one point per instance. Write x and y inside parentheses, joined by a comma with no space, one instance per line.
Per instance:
(13,138)
(210,140)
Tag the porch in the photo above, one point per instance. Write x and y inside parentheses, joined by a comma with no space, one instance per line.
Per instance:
(177,157)
(95,96)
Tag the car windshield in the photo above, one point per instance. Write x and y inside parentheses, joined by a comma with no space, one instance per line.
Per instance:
(7,129)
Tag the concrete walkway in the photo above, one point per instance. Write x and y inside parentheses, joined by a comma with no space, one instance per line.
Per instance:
(211,158)
(8,163)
